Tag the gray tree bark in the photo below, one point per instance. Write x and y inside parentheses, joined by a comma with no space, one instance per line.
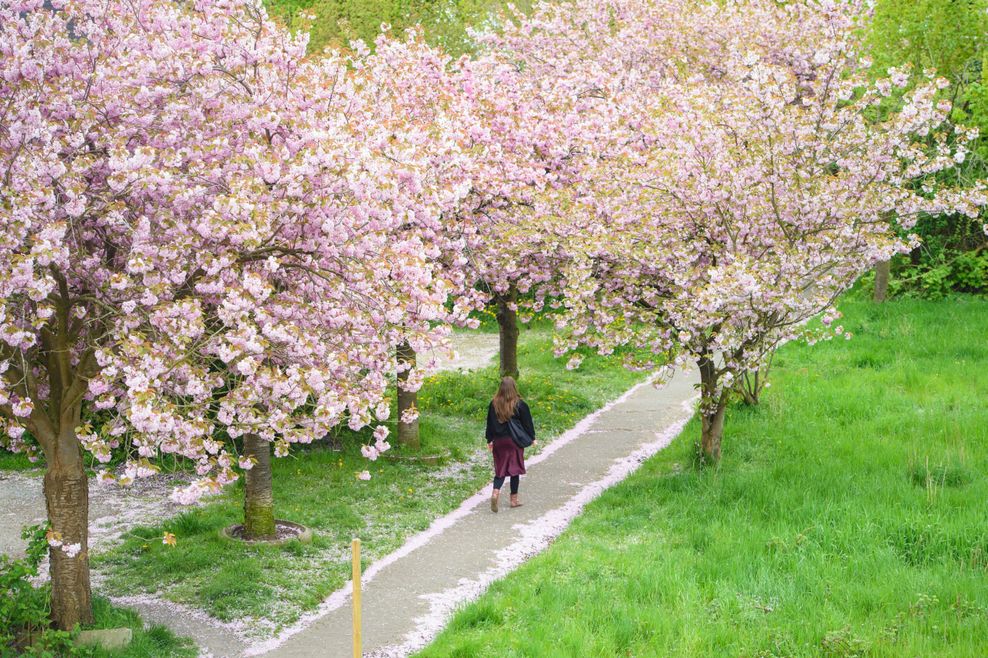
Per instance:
(507,322)
(66,489)
(713,407)
(883,271)
(408,433)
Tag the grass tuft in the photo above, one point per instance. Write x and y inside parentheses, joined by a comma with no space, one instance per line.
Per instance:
(153,641)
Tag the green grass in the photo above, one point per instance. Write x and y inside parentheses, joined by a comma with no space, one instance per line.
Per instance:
(10,461)
(152,641)
(848,518)
(317,487)
(155,641)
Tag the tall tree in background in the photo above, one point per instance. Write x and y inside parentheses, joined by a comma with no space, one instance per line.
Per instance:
(499,138)
(409,95)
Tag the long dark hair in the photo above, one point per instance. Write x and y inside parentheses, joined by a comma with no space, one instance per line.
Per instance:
(506,399)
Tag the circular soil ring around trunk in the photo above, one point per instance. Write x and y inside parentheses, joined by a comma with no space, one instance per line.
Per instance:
(285,531)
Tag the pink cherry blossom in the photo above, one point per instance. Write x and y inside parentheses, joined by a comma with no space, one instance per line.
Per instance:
(739,179)
(172,204)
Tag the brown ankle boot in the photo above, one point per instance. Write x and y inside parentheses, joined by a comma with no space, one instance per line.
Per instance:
(514,500)
(494,503)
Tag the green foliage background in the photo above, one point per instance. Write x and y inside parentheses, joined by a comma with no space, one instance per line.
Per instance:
(950,36)
(337,22)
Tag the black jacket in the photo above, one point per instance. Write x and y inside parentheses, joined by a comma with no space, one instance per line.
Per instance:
(496,429)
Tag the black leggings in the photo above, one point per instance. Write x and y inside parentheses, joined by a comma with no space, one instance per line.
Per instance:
(515,480)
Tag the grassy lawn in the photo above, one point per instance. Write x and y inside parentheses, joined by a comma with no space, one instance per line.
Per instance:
(151,642)
(317,487)
(848,518)
(10,461)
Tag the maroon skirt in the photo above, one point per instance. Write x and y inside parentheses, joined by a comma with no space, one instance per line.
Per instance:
(509,459)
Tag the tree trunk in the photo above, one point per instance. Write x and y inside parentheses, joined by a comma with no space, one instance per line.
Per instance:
(882,272)
(755,381)
(751,388)
(507,322)
(408,433)
(66,490)
(258,492)
(713,406)
(712,432)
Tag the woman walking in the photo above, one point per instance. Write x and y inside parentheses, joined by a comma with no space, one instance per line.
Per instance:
(509,457)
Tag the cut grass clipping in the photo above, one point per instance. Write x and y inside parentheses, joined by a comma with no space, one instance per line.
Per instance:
(317,487)
(848,518)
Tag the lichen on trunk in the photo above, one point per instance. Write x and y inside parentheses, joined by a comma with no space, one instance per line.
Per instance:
(258,491)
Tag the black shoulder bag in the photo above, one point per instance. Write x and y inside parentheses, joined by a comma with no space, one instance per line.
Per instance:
(519,434)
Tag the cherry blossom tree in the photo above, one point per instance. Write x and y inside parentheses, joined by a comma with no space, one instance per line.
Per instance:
(757,185)
(502,129)
(195,240)
(488,145)
(514,136)
(406,84)
(570,66)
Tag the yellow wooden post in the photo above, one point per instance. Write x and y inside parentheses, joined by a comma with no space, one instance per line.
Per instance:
(356,598)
